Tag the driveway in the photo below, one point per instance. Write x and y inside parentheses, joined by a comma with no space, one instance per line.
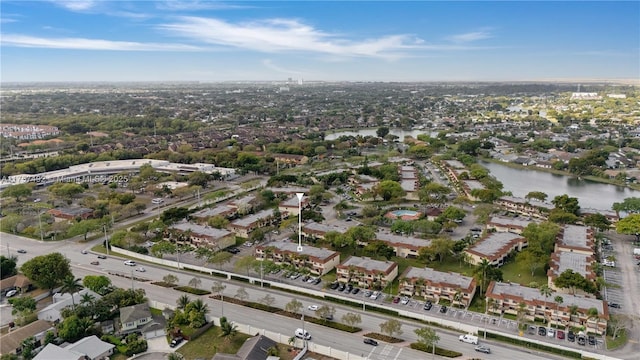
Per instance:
(159,345)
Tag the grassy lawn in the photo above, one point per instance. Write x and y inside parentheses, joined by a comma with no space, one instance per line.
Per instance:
(210,343)
(520,273)
(618,342)
(119,357)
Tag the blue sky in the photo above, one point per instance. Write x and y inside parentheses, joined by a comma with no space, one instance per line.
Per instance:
(84,40)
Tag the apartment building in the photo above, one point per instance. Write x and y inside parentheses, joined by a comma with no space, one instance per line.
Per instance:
(225,211)
(244,226)
(314,230)
(507,224)
(435,285)
(291,206)
(318,261)
(495,247)
(572,311)
(403,245)
(577,262)
(575,238)
(526,207)
(200,235)
(366,272)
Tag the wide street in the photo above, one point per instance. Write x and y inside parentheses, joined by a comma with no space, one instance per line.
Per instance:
(321,335)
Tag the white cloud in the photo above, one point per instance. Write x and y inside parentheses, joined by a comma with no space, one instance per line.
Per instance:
(278,35)
(76,5)
(470,36)
(268,63)
(89,44)
(193,5)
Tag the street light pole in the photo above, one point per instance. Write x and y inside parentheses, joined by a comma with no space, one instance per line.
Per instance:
(300,195)
(106,239)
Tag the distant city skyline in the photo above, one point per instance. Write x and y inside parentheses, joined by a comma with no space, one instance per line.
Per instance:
(208,41)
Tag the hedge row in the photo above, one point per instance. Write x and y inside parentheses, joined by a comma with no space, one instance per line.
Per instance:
(530,345)
(439,351)
(382,337)
(163,284)
(192,290)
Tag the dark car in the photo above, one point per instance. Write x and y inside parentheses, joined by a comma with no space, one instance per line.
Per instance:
(560,334)
(614,305)
(22,251)
(334,286)
(95,263)
(176,341)
(592,340)
(349,288)
(571,336)
(428,305)
(233,250)
(102,257)
(342,287)
(542,331)
(582,340)
(443,309)
(370,342)
(355,291)
(317,281)
(396,300)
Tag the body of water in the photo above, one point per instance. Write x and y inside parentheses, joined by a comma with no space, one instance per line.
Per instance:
(590,194)
(372,132)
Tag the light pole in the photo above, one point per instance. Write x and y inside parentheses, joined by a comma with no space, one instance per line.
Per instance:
(106,239)
(300,195)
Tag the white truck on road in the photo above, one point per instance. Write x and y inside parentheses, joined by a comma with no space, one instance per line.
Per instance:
(636,251)
(469,338)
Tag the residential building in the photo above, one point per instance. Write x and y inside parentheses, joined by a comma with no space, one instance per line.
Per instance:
(52,312)
(507,224)
(526,207)
(403,245)
(71,213)
(578,262)
(244,226)
(16,282)
(575,238)
(225,211)
(134,317)
(200,235)
(290,206)
(314,230)
(409,182)
(507,297)
(89,348)
(611,215)
(366,272)
(495,247)
(468,186)
(254,348)
(318,261)
(11,343)
(435,285)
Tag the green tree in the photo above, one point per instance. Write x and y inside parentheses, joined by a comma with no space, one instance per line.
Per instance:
(8,266)
(389,190)
(567,204)
(533,258)
(629,225)
(47,271)
(391,327)
(99,284)
(195,282)
(480,271)
(558,300)
(84,227)
(163,247)
(382,131)
(572,281)
(597,221)
(71,285)
(74,328)
(326,312)
(545,291)
(538,195)
(170,279)
(227,329)
(351,319)
(28,346)
(441,247)
(245,263)
(18,191)
(23,305)
(429,338)
(293,306)
(183,301)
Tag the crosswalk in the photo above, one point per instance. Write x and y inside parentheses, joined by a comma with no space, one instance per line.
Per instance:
(386,352)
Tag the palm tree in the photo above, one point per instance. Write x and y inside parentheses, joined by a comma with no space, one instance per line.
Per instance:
(593,313)
(199,306)
(558,300)
(545,291)
(481,270)
(573,311)
(71,286)
(183,301)
(195,282)
(522,311)
(87,299)
(228,329)
(457,297)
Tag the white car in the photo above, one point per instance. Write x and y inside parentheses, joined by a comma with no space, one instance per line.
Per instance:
(405,300)
(130,263)
(312,307)
(141,269)
(551,332)
(11,293)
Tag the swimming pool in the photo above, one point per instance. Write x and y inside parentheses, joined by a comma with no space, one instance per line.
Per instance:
(404,214)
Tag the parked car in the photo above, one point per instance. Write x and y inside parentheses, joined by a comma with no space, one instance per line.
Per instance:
(370,342)
(355,291)
(84,252)
(428,305)
(542,331)
(11,293)
(405,300)
(592,340)
(176,341)
(334,286)
(582,340)
(551,332)
(396,300)
(560,334)
(483,349)
(130,263)
(443,309)
(571,336)
(614,305)
(532,330)
(233,250)
(102,257)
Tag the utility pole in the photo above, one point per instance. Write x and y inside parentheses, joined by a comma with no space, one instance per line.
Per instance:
(106,239)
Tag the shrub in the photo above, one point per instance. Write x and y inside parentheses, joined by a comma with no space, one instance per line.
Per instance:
(163,284)
(530,345)
(192,290)
(382,337)
(439,351)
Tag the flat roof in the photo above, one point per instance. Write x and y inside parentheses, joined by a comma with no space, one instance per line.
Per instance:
(474,184)
(324,228)
(250,219)
(578,262)
(454,164)
(201,229)
(492,244)
(291,247)
(409,185)
(435,276)
(532,202)
(509,221)
(369,264)
(575,236)
(218,210)
(533,294)
(398,239)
